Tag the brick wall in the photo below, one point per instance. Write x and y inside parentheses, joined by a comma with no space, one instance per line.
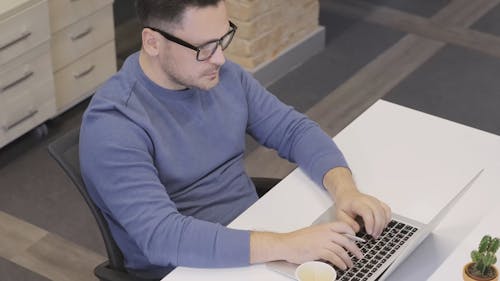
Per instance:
(268,27)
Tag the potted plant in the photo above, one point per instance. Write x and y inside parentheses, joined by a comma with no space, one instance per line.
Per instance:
(483,262)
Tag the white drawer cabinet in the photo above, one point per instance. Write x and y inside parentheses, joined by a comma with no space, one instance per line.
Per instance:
(82,37)
(53,54)
(25,73)
(79,79)
(26,76)
(83,51)
(23,31)
(67,12)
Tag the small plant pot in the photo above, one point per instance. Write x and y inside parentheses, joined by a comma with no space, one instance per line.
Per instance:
(468,277)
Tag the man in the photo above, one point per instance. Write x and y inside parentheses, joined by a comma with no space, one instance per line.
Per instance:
(162,146)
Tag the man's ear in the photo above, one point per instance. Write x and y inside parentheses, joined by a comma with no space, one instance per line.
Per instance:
(150,42)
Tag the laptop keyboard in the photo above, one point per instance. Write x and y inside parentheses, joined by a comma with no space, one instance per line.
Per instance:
(376,252)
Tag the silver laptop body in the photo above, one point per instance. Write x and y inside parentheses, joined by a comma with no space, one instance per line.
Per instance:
(383,255)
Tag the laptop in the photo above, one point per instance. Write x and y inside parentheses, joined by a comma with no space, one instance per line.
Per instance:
(381,256)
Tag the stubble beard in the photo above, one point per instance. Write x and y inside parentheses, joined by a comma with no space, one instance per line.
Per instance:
(204,81)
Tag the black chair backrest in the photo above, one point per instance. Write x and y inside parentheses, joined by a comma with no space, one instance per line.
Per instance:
(65,151)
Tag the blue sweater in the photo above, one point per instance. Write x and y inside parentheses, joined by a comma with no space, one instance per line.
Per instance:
(166,167)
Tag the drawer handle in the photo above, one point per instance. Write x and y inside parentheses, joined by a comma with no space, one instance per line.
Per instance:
(26,75)
(81,34)
(85,72)
(21,37)
(21,120)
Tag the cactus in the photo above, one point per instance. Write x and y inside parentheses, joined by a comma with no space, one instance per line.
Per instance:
(484,257)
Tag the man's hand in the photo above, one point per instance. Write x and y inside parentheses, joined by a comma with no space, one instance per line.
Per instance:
(350,203)
(375,214)
(326,242)
(319,242)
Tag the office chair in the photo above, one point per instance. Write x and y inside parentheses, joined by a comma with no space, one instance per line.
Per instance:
(65,151)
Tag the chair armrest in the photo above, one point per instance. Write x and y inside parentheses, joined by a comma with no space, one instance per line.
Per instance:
(263,185)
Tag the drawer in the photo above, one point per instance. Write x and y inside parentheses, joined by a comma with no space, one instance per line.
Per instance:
(24,31)
(26,112)
(67,12)
(84,75)
(29,83)
(25,73)
(12,7)
(82,37)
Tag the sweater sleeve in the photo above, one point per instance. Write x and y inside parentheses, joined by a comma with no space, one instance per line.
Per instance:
(294,136)
(119,171)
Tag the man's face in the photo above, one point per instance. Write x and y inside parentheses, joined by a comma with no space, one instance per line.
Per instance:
(179,64)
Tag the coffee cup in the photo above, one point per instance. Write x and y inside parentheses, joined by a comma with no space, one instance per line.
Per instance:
(315,271)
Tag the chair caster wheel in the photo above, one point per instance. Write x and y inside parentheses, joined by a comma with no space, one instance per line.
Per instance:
(41,131)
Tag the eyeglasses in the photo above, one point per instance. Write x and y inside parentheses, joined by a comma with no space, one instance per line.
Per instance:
(204,51)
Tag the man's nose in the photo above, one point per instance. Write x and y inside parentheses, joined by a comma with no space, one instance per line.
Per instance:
(218,57)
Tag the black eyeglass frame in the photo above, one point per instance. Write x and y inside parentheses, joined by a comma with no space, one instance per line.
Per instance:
(199,48)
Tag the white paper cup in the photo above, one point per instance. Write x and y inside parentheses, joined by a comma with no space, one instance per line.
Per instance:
(315,271)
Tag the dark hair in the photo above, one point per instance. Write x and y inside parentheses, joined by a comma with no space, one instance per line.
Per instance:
(156,12)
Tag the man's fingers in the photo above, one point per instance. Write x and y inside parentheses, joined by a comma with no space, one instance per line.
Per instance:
(341,244)
(379,220)
(342,216)
(382,215)
(347,244)
(337,254)
(332,257)
(387,211)
(385,216)
(376,215)
(364,211)
(326,241)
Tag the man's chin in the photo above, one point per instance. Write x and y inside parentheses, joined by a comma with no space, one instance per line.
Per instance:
(209,83)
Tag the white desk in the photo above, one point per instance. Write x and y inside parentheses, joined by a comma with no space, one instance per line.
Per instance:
(413,161)
(451,268)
